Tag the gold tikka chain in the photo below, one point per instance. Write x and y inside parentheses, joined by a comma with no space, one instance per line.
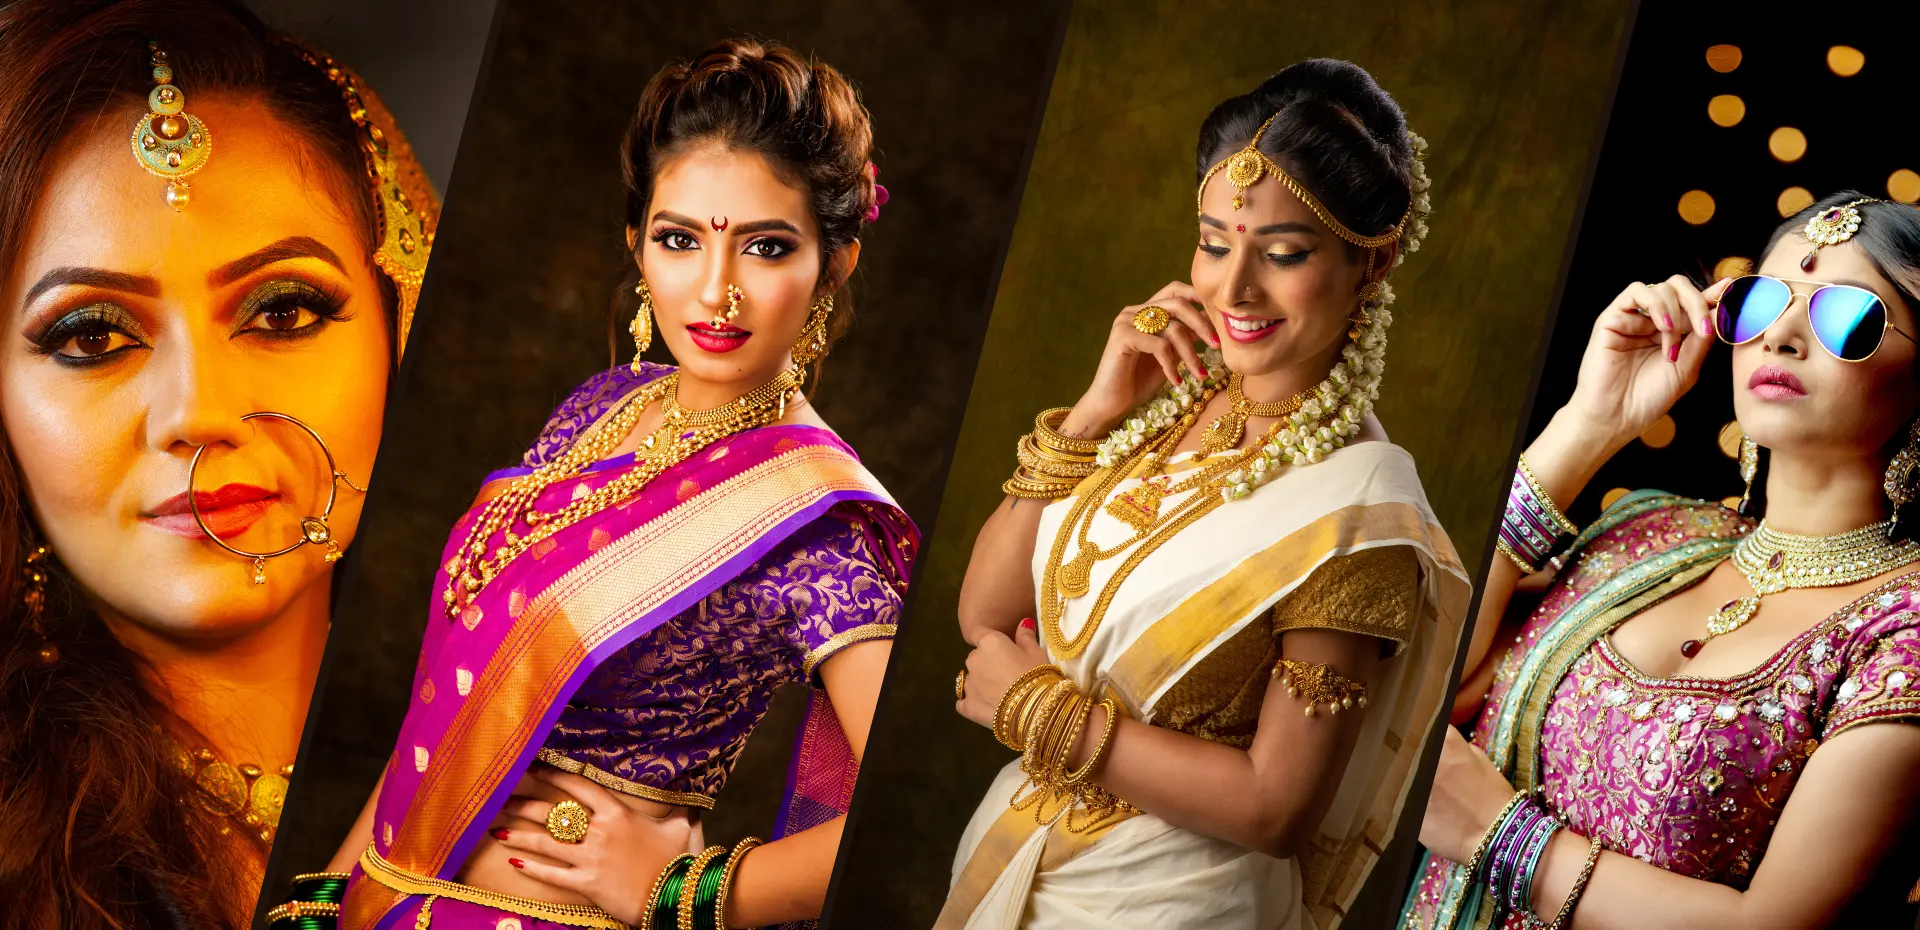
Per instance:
(681,433)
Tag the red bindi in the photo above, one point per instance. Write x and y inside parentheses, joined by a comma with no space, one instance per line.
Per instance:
(719,225)
(1239,227)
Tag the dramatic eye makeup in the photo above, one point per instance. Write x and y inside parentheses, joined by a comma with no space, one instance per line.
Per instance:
(289,308)
(674,239)
(1213,245)
(89,335)
(1287,256)
(770,247)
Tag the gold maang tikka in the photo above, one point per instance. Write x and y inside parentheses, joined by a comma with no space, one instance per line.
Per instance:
(170,143)
(735,297)
(1247,166)
(1832,226)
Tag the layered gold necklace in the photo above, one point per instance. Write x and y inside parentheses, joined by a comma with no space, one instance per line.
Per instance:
(246,794)
(1773,562)
(1141,508)
(681,433)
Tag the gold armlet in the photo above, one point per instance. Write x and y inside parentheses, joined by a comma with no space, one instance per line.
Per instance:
(1320,684)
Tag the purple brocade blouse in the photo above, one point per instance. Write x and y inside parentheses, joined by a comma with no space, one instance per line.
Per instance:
(666,717)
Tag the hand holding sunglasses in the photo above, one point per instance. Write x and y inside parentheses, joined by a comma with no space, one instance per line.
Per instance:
(1849,322)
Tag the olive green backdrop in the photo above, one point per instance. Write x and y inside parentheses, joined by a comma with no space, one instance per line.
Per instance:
(1511,96)
(517,312)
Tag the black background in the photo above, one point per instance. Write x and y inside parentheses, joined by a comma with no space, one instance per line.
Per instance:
(518,309)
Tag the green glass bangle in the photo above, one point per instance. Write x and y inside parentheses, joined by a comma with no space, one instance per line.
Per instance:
(666,901)
(706,893)
(329,890)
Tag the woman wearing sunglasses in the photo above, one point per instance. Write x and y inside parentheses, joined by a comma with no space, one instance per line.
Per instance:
(1682,733)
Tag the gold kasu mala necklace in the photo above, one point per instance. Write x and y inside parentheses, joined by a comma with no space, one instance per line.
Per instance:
(682,433)
(1773,562)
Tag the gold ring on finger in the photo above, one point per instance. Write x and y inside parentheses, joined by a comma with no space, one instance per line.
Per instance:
(567,822)
(1151,319)
(960,686)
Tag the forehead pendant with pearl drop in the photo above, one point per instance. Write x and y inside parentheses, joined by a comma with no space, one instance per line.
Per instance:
(1832,226)
(170,143)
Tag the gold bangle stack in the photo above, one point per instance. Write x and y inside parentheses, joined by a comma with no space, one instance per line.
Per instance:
(1042,716)
(726,878)
(1320,684)
(1051,463)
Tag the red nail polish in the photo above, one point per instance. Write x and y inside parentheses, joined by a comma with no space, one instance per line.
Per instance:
(1028,623)
(499,834)
(516,863)
(1668,317)
(1673,352)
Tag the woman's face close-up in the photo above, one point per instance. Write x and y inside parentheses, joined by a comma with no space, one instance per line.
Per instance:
(1789,393)
(1279,286)
(722,218)
(137,334)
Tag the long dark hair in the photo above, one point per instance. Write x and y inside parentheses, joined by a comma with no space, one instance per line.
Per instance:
(98,829)
(1889,236)
(801,115)
(1334,130)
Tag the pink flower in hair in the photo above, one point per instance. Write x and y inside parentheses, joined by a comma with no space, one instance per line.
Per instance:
(879,193)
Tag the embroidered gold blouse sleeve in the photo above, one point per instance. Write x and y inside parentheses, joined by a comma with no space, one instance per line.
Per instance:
(1372,592)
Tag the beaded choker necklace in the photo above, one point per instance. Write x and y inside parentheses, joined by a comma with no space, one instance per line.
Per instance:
(1773,562)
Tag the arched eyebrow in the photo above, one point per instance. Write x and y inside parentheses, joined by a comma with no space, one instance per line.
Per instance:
(93,277)
(286,249)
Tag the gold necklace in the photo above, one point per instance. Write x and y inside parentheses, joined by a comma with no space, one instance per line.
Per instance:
(1773,561)
(1226,431)
(244,793)
(1062,581)
(682,433)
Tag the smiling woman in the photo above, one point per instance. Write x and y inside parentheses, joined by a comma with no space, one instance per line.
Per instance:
(200,342)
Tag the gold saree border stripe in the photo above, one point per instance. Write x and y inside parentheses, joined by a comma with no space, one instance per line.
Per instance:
(842,640)
(408,884)
(612,782)
(586,606)
(996,850)
(1175,639)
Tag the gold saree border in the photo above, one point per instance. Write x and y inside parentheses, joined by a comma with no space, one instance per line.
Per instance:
(1002,842)
(407,883)
(580,611)
(612,782)
(841,640)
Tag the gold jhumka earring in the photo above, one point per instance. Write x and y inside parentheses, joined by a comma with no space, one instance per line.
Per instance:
(1903,473)
(170,143)
(642,325)
(812,344)
(313,530)
(1749,467)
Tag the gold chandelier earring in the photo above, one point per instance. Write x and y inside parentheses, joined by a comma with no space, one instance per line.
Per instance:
(1903,473)
(812,344)
(642,325)
(1370,294)
(1749,467)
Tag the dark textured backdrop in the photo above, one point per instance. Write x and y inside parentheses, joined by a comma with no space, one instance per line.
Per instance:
(530,250)
(1511,97)
(1659,145)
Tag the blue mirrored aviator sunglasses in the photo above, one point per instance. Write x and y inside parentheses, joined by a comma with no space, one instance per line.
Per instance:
(1849,322)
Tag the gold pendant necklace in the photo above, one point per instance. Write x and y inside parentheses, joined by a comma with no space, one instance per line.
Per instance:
(1773,561)
(243,793)
(1226,431)
(681,433)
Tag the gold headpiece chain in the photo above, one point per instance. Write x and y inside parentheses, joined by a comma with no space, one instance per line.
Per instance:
(1246,166)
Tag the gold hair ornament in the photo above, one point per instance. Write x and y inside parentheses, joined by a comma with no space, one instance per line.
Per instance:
(1832,226)
(313,530)
(406,209)
(170,143)
(1247,166)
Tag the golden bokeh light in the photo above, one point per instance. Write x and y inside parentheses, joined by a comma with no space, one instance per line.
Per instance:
(1726,110)
(1904,186)
(1660,433)
(1730,436)
(1723,58)
(1731,503)
(1611,497)
(1732,266)
(1845,60)
(1793,200)
(1787,144)
(1696,207)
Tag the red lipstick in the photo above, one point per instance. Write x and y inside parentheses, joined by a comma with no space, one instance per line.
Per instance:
(1266,326)
(718,339)
(1771,382)
(229,511)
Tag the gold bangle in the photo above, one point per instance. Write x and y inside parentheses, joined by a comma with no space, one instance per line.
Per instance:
(726,880)
(1099,749)
(1553,510)
(1044,716)
(1046,429)
(1027,488)
(1320,684)
(1078,709)
(1565,917)
(692,881)
(653,895)
(1010,701)
(1040,460)
(1486,839)
(298,909)
(1518,562)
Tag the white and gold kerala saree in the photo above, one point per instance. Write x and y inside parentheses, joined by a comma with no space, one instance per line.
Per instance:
(1188,641)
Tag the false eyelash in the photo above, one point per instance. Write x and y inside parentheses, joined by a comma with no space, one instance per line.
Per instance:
(1288,259)
(49,339)
(326,303)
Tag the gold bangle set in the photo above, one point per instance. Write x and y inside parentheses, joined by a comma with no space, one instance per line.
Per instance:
(1051,463)
(1042,716)
(1320,684)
